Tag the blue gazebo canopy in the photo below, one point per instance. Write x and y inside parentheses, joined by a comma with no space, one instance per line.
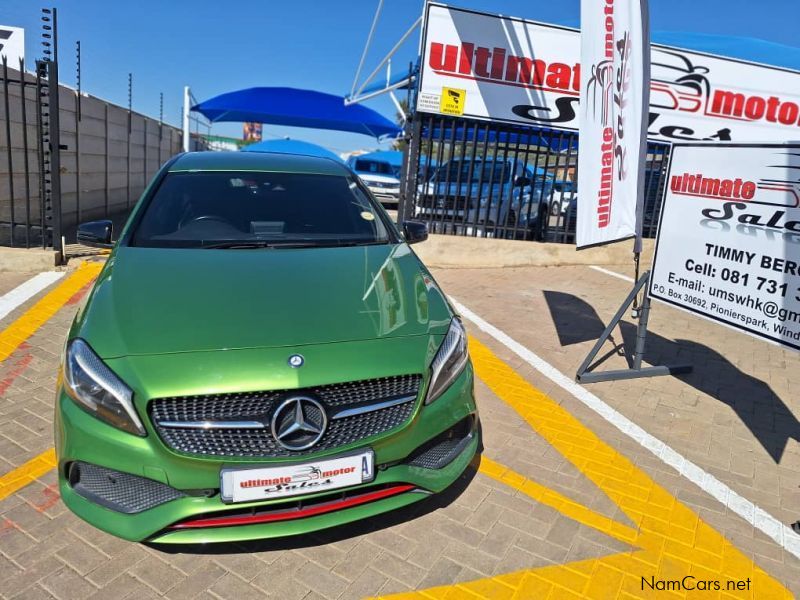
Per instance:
(296,108)
(393,157)
(742,47)
(289,146)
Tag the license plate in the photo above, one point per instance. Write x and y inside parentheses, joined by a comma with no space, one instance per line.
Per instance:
(266,483)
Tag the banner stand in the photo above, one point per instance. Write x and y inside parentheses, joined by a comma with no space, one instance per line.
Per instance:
(586,375)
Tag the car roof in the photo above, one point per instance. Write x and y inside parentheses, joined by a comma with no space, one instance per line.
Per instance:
(256,161)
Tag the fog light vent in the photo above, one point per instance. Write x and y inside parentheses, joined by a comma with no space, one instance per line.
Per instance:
(444,448)
(121,492)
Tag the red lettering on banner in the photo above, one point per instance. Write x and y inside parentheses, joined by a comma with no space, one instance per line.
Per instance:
(498,63)
(465,64)
(559,76)
(606,193)
(609,12)
(788,113)
(480,63)
(710,187)
(443,58)
(736,105)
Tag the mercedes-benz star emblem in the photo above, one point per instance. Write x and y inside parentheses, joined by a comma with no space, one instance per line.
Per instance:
(299,423)
(296,360)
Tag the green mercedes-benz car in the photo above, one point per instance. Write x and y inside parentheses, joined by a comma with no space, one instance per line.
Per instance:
(262,355)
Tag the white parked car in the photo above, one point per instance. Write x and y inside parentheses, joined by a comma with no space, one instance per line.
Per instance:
(381,177)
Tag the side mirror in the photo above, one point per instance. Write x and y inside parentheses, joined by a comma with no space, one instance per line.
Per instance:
(415,231)
(96,234)
(522,181)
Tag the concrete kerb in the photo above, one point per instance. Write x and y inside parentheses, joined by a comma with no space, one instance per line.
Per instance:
(450,251)
(31,260)
(443,251)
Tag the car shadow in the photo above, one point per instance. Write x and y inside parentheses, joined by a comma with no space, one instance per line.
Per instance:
(757,406)
(335,534)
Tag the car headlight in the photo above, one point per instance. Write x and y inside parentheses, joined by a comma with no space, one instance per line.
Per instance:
(96,389)
(449,361)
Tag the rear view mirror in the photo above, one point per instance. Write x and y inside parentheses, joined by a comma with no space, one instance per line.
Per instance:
(522,181)
(415,231)
(96,234)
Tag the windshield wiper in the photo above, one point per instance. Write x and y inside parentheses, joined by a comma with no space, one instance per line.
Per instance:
(361,243)
(245,244)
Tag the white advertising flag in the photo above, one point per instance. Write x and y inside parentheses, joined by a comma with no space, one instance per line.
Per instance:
(614,88)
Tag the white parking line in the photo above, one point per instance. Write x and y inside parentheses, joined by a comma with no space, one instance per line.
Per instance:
(612,273)
(751,513)
(25,291)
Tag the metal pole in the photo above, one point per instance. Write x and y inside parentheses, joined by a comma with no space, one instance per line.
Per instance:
(78,77)
(160,126)
(105,163)
(8,145)
(144,157)
(23,107)
(584,375)
(130,127)
(55,35)
(186,107)
(409,174)
(40,154)
(78,156)
(55,153)
(641,333)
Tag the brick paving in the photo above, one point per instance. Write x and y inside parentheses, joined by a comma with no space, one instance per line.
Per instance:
(735,416)
(10,280)
(479,529)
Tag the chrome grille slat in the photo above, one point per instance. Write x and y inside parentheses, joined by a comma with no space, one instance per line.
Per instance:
(367,408)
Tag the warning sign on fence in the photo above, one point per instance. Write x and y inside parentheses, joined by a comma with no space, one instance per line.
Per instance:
(452,101)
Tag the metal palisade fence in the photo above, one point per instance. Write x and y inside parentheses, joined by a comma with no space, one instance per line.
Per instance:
(486,179)
(69,158)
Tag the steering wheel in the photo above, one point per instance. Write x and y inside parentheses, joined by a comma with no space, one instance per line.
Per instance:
(186,221)
(207,218)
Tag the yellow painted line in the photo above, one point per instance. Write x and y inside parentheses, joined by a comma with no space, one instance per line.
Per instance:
(27,473)
(670,540)
(13,336)
(26,325)
(566,506)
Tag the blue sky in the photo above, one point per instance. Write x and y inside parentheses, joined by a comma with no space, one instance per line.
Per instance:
(221,46)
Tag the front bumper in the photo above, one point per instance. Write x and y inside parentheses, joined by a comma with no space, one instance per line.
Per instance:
(385,195)
(81,437)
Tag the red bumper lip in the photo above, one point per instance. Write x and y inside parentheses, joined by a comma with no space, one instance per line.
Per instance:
(291,514)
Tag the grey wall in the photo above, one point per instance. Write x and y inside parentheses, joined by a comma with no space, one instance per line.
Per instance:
(110,156)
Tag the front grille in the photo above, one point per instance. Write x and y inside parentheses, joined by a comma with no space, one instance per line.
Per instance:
(446,202)
(259,406)
(121,492)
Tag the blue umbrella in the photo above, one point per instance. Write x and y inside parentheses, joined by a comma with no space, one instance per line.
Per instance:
(288,146)
(296,108)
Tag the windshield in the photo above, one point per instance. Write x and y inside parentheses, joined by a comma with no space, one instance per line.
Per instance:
(373,166)
(474,172)
(247,209)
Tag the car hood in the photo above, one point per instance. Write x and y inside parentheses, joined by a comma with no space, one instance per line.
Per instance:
(373,177)
(153,301)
